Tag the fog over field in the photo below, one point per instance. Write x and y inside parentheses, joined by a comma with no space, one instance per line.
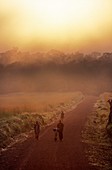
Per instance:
(48,35)
(55,71)
(55,58)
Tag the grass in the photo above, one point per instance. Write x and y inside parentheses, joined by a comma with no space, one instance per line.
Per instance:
(97,136)
(19,111)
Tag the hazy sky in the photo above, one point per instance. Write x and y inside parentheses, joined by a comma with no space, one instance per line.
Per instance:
(84,25)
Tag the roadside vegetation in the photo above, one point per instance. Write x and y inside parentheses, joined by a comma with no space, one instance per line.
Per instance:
(19,111)
(98,136)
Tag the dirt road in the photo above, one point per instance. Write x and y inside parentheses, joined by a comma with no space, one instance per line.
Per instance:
(46,154)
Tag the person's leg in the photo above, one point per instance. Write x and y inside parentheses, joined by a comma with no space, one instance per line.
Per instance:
(60,136)
(37,135)
(55,138)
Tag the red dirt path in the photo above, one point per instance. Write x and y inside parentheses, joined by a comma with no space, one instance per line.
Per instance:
(46,154)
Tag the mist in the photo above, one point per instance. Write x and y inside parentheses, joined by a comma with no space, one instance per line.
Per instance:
(55,72)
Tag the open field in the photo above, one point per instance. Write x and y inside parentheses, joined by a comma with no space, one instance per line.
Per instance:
(31,102)
(19,111)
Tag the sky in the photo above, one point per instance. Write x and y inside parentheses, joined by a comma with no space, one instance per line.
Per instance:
(68,25)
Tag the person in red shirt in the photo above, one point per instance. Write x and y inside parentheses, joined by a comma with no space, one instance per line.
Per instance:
(37,129)
(60,127)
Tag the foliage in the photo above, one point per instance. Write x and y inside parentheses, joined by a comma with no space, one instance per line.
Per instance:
(98,135)
(17,118)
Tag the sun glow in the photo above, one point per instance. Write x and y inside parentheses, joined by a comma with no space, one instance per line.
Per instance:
(55,21)
(57,14)
(62,12)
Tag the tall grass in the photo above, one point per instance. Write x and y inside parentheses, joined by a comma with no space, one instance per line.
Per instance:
(18,112)
(98,135)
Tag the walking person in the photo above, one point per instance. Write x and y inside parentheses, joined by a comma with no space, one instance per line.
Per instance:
(60,127)
(37,129)
(62,115)
(110,114)
(55,134)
